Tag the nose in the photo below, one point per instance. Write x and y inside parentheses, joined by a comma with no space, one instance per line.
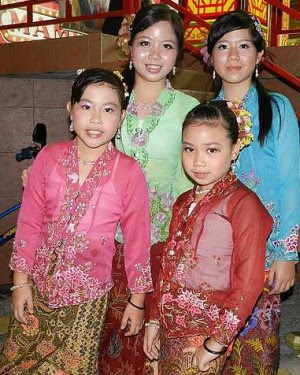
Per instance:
(155,52)
(233,53)
(199,160)
(96,116)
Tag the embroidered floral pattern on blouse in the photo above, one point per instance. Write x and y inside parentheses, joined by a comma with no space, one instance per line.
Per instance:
(139,130)
(161,211)
(250,180)
(290,243)
(144,280)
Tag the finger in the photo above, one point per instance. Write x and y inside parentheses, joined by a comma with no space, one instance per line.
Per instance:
(21,316)
(190,349)
(30,305)
(271,277)
(125,321)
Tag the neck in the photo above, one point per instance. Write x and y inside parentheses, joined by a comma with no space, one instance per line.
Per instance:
(235,91)
(146,91)
(90,154)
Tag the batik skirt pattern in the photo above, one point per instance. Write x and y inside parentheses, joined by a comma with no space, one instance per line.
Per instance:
(63,341)
(121,355)
(173,361)
(256,349)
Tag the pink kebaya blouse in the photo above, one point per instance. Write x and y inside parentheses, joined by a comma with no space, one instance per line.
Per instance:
(65,232)
(213,263)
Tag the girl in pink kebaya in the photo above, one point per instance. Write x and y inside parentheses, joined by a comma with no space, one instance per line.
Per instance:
(76,195)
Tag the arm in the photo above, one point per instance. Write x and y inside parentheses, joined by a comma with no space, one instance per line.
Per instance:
(251,226)
(286,146)
(135,225)
(30,218)
(28,233)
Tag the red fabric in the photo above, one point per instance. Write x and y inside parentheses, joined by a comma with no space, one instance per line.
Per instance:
(190,305)
(120,355)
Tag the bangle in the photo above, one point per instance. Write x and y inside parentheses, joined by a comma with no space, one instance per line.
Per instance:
(19,286)
(153,324)
(213,351)
(136,306)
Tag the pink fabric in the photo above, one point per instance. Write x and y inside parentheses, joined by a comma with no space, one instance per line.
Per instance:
(65,236)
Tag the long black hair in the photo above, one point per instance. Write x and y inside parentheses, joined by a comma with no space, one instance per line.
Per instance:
(238,20)
(145,18)
(214,113)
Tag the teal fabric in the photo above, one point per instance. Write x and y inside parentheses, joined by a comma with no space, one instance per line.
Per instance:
(159,154)
(272,172)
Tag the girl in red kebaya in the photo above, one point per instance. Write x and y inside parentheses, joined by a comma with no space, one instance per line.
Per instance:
(213,261)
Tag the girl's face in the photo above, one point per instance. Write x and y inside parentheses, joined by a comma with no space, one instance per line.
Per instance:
(234,57)
(96,117)
(207,153)
(154,52)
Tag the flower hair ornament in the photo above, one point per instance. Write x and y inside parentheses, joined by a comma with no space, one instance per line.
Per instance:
(243,118)
(124,37)
(257,24)
(121,78)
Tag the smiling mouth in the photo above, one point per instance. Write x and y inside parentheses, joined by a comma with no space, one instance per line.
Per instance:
(94,133)
(234,68)
(153,68)
(200,175)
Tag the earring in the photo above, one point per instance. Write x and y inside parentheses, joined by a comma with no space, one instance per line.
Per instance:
(118,134)
(130,65)
(174,70)
(256,71)
(71,126)
(233,166)
(214,74)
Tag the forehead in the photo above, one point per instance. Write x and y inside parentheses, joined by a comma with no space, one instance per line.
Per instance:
(242,34)
(161,29)
(205,133)
(100,92)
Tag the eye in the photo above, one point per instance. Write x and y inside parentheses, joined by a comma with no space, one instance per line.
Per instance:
(244,46)
(188,149)
(144,43)
(168,46)
(221,47)
(109,110)
(212,150)
(85,106)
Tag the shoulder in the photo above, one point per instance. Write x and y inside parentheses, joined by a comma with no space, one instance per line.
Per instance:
(128,167)
(54,150)
(244,197)
(185,99)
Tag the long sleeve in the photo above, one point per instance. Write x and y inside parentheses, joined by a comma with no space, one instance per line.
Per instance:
(30,218)
(135,225)
(251,226)
(286,146)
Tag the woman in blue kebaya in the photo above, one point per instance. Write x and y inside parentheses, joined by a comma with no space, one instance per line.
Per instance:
(270,167)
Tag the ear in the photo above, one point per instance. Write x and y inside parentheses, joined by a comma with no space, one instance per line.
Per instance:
(259,57)
(235,150)
(69,108)
(123,114)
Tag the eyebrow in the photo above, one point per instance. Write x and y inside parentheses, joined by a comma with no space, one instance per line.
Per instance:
(239,40)
(90,101)
(148,37)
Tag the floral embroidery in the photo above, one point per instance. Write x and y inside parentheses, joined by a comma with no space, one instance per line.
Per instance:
(45,348)
(10,349)
(250,180)
(290,243)
(139,130)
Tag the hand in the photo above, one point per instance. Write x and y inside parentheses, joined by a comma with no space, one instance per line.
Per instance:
(152,342)
(24,176)
(22,297)
(282,275)
(202,359)
(133,319)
